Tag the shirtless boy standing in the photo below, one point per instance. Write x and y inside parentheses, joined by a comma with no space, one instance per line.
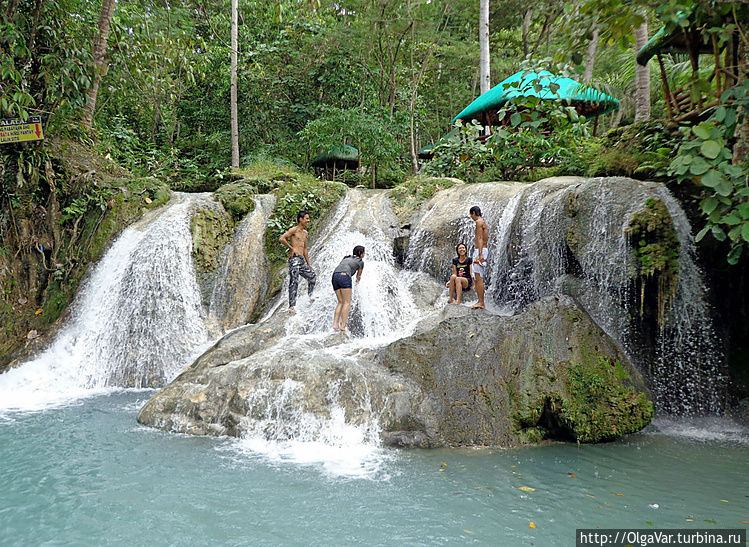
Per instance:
(295,239)
(480,253)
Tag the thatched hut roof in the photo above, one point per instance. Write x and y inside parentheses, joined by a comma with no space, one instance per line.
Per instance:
(343,157)
(679,40)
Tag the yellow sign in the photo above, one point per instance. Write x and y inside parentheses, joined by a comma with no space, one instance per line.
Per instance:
(16,130)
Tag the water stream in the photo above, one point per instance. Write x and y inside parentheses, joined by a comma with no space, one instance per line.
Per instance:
(136,323)
(530,258)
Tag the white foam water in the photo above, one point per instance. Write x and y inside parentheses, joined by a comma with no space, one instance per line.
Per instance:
(138,319)
(709,429)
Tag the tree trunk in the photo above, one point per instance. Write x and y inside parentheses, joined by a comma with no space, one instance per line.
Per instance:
(100,61)
(233,99)
(484,64)
(526,30)
(590,57)
(642,78)
(35,27)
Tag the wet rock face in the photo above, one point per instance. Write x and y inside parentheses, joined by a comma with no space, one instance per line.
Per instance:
(242,276)
(487,380)
(470,378)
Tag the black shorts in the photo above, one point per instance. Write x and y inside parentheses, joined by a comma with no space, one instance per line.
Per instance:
(341,280)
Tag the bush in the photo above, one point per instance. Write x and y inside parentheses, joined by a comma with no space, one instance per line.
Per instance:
(642,150)
(314,196)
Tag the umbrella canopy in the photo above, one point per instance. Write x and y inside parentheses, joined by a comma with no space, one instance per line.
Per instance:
(343,156)
(587,101)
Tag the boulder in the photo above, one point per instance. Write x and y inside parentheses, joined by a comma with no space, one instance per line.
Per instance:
(547,372)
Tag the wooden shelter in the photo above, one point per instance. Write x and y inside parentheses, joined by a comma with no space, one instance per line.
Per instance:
(683,103)
(338,159)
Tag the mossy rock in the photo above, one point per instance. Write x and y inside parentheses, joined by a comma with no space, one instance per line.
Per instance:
(548,372)
(315,196)
(237,199)
(655,241)
(151,190)
(211,231)
(408,196)
(602,405)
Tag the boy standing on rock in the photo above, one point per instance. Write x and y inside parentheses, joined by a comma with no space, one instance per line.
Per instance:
(295,239)
(480,253)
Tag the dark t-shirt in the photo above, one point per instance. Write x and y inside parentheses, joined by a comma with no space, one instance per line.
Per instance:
(463,269)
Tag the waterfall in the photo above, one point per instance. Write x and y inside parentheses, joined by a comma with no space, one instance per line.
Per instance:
(310,391)
(136,321)
(382,304)
(539,246)
(690,359)
(139,318)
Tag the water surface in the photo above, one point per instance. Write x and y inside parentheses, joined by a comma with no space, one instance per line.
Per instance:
(88,474)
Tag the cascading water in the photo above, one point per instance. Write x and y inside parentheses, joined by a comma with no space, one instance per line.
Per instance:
(690,359)
(136,322)
(538,248)
(382,304)
(310,393)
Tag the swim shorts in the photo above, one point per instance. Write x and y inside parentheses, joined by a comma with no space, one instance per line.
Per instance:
(478,267)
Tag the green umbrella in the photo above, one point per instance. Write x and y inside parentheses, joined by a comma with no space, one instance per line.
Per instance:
(589,102)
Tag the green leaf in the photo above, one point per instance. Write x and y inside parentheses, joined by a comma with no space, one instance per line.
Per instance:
(711,149)
(732,220)
(744,210)
(718,233)
(699,166)
(725,188)
(713,178)
(709,204)
(745,232)
(515,119)
(702,233)
(733,171)
(733,258)
(701,131)
(730,117)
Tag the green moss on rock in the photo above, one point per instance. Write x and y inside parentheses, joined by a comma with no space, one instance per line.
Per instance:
(655,240)
(408,196)
(237,198)
(601,405)
(656,246)
(211,231)
(315,196)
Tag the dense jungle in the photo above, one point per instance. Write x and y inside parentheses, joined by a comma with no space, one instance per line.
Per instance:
(137,100)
